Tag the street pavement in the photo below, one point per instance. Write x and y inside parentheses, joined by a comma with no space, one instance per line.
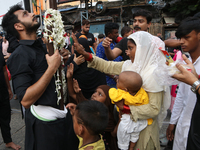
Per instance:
(18,126)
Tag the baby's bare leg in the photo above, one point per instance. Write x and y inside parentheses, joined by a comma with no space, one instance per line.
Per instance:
(131,146)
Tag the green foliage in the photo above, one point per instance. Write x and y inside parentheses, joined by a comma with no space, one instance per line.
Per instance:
(185,7)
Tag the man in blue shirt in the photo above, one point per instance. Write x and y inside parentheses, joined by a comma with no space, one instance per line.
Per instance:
(111,31)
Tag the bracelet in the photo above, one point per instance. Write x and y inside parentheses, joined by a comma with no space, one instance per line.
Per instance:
(198,76)
(90,57)
(126,109)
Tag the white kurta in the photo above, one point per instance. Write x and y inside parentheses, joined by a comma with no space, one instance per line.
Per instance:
(182,111)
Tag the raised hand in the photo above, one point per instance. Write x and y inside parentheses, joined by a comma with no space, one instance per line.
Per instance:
(65,54)
(78,47)
(70,70)
(106,42)
(79,60)
(71,107)
(76,87)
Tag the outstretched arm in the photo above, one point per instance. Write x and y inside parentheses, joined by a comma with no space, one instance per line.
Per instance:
(110,54)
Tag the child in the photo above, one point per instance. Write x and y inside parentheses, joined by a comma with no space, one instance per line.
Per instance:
(101,95)
(90,118)
(129,92)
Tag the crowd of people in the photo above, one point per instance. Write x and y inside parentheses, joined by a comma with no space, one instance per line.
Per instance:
(114,99)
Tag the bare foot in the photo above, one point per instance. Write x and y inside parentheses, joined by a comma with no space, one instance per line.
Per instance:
(13,146)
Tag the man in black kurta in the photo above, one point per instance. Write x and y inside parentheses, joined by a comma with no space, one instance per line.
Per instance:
(32,71)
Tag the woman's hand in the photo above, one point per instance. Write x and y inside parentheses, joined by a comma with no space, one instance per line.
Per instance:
(76,86)
(120,105)
(70,70)
(71,107)
(79,60)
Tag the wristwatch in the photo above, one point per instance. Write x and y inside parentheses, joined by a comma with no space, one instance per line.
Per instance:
(194,85)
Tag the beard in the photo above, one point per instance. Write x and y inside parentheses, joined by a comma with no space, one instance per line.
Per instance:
(31,28)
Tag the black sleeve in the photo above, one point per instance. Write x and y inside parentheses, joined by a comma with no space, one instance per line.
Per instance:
(198,97)
(2,60)
(19,65)
(122,45)
(93,40)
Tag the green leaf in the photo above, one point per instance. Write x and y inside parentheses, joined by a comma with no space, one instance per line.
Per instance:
(192,7)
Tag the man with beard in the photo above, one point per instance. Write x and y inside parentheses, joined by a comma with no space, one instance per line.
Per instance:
(32,71)
(141,22)
(85,33)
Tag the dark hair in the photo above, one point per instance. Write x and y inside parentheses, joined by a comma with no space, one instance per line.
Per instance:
(131,40)
(188,25)
(145,13)
(125,30)
(109,27)
(93,115)
(101,36)
(10,19)
(85,22)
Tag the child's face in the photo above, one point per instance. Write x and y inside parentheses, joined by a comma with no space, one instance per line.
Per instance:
(99,95)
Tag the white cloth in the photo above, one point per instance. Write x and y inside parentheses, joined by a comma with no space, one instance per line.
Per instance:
(47,113)
(147,58)
(182,111)
(129,130)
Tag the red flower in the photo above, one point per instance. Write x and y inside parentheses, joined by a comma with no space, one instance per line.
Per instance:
(48,15)
(65,35)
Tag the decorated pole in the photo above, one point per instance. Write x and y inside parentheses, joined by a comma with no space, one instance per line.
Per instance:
(54,33)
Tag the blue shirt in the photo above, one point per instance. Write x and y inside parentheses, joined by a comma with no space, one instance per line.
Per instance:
(100,52)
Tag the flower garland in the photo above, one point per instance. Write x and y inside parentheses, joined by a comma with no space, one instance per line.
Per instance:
(54,32)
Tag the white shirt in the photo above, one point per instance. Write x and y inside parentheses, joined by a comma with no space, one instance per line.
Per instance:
(182,111)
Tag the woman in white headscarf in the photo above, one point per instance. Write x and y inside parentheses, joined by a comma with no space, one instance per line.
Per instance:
(144,54)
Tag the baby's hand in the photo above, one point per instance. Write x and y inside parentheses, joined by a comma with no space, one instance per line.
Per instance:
(120,104)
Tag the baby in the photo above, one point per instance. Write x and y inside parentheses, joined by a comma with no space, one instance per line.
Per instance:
(90,118)
(130,92)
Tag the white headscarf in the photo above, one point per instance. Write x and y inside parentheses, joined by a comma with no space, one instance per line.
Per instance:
(147,58)
(146,61)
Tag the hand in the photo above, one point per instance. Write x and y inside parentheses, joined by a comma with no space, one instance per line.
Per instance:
(10,94)
(76,87)
(70,70)
(189,63)
(6,57)
(120,105)
(78,47)
(65,54)
(186,76)
(170,132)
(53,61)
(71,107)
(79,60)
(106,42)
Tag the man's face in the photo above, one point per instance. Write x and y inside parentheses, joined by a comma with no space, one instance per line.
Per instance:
(190,42)
(114,34)
(86,28)
(140,23)
(28,20)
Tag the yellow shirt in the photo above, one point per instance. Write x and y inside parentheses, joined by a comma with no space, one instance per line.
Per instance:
(98,145)
(140,98)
